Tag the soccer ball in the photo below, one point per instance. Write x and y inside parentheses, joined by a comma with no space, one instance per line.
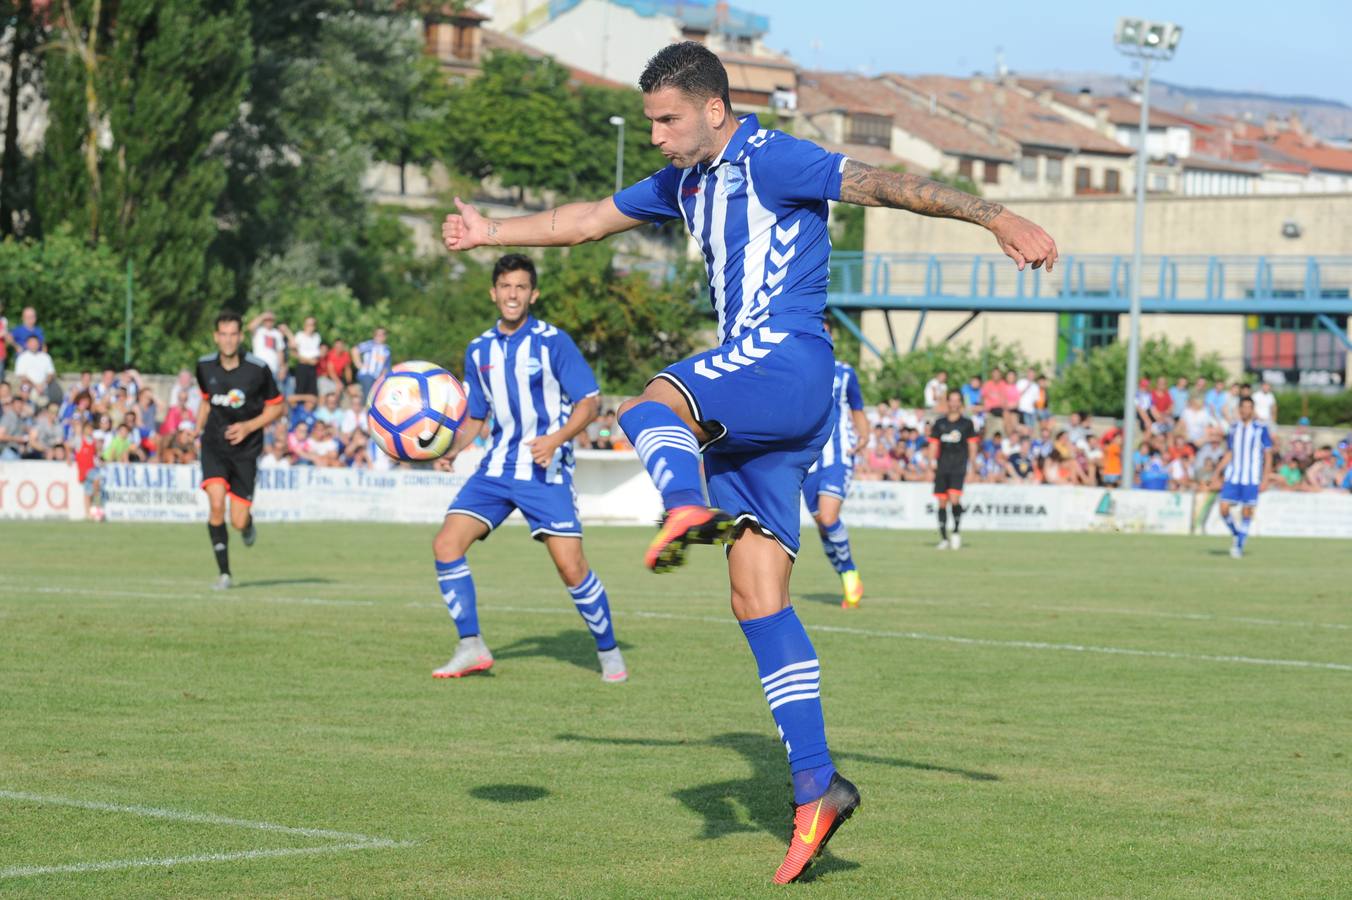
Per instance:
(96,513)
(414,410)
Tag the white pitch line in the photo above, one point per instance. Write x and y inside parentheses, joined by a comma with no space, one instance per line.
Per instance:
(183,595)
(115,864)
(985,642)
(348,841)
(175,815)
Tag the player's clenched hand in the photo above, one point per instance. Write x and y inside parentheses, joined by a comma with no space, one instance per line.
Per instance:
(1023,241)
(466,229)
(542,449)
(236,433)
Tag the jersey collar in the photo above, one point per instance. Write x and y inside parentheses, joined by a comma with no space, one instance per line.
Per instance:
(525,328)
(750,125)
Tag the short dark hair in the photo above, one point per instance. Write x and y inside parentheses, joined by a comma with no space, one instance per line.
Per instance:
(1248,400)
(953,392)
(228,316)
(691,68)
(514,262)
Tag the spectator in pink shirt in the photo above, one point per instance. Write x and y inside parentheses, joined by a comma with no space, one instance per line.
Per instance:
(993,397)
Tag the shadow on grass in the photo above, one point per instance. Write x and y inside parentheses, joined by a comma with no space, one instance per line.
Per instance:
(277,582)
(572,645)
(509,793)
(759,802)
(828,599)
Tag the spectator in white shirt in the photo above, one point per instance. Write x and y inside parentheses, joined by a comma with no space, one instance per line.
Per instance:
(270,342)
(185,386)
(1265,404)
(1196,420)
(35,366)
(306,343)
(936,391)
(1030,392)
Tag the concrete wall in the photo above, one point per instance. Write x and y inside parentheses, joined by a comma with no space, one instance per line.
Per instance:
(604,38)
(1200,226)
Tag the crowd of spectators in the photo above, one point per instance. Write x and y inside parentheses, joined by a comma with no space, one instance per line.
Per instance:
(117,418)
(1183,430)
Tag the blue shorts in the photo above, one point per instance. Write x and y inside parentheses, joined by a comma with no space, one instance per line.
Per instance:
(832,480)
(548,508)
(1244,494)
(766,399)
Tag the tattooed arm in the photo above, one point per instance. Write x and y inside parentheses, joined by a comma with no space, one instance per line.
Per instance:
(1019,238)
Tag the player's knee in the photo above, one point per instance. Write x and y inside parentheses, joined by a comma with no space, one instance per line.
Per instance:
(448,546)
(827,519)
(572,571)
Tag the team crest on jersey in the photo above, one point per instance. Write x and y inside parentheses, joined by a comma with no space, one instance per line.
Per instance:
(234,399)
(532,367)
(732,181)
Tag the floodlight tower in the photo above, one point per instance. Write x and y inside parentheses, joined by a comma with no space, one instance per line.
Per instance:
(1147,41)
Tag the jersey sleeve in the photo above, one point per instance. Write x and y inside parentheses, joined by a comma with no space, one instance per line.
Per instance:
(969,429)
(852,395)
(477,407)
(1267,438)
(654,198)
(794,171)
(571,369)
(269,389)
(202,383)
(934,430)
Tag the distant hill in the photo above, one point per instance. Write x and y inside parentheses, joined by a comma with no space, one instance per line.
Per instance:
(1329,119)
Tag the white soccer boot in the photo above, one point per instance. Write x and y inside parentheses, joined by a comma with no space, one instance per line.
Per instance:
(471,655)
(613,670)
(955,542)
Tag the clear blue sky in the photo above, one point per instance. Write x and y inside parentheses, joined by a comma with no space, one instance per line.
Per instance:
(1290,47)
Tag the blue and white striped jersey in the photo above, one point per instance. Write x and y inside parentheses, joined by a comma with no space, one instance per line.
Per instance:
(846,398)
(529,380)
(1247,446)
(758,213)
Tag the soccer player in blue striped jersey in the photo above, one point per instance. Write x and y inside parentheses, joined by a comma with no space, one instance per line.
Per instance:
(827,483)
(758,406)
(1244,467)
(542,394)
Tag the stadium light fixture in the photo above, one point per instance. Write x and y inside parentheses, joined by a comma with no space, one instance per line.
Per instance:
(618,122)
(1147,41)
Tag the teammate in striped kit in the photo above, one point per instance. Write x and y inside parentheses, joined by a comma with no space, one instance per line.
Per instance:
(758,405)
(828,481)
(1245,466)
(541,393)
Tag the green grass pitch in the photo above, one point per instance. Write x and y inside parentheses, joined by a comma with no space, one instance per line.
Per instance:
(1039,716)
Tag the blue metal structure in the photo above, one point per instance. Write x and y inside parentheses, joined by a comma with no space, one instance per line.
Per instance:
(1193,285)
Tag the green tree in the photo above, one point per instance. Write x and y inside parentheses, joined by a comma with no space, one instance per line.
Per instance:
(81,291)
(153,193)
(328,93)
(1097,382)
(25,31)
(627,324)
(904,375)
(519,122)
(595,154)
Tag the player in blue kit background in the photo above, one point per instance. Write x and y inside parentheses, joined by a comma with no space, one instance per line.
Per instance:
(758,406)
(1244,467)
(828,480)
(541,393)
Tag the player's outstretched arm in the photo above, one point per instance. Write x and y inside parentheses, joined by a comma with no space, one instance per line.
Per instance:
(1020,239)
(464,436)
(563,226)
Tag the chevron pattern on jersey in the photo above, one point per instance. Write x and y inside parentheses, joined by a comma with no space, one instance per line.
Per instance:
(750,348)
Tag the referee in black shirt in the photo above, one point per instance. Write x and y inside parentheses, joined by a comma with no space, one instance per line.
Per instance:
(240,400)
(954,437)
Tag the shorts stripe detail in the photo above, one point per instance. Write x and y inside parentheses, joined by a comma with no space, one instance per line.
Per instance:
(214,480)
(238,499)
(453,511)
(685,392)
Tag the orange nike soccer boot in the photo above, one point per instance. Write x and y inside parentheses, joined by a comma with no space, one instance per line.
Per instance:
(681,527)
(813,825)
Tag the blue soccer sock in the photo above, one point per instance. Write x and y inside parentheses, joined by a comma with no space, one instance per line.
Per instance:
(1242,532)
(669,452)
(791,679)
(594,607)
(836,543)
(457,590)
(1230,523)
